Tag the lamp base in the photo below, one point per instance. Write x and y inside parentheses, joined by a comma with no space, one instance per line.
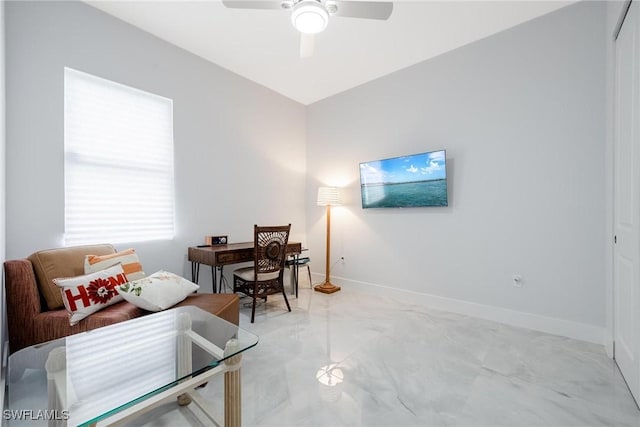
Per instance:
(326,288)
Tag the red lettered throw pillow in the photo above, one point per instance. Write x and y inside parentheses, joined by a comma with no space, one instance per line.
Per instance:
(84,295)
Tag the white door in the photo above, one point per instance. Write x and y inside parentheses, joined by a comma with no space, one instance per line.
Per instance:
(627,202)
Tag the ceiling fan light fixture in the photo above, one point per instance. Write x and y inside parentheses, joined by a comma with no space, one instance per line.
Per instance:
(309,17)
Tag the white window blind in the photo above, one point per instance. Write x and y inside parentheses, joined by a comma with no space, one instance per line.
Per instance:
(118,150)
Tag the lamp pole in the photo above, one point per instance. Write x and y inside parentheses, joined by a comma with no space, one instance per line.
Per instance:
(328,196)
(327,277)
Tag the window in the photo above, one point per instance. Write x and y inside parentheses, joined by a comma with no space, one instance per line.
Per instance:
(118,158)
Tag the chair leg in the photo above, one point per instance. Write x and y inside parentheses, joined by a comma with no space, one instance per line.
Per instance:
(284,294)
(309,271)
(253,307)
(294,279)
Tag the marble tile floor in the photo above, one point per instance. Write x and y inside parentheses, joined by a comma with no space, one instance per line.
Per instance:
(405,365)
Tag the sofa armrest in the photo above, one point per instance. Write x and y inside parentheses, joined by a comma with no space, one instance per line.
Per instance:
(23,302)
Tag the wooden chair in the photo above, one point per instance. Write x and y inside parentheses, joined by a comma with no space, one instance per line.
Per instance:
(265,277)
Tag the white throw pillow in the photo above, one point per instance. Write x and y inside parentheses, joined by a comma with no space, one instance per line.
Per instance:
(157,292)
(84,295)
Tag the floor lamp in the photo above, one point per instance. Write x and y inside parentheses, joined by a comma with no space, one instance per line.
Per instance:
(328,196)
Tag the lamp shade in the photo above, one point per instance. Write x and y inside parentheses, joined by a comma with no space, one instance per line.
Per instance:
(328,196)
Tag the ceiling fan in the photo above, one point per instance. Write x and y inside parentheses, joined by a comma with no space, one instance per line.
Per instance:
(312,16)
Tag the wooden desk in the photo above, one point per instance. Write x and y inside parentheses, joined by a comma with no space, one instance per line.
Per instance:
(217,256)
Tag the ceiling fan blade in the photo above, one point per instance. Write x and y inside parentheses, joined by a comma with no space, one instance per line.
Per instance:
(252,4)
(307,42)
(364,9)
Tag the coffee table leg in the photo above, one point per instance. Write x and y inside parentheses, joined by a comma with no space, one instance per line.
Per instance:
(232,387)
(184,354)
(56,367)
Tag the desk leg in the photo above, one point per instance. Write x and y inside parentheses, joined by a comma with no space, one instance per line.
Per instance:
(297,272)
(293,268)
(195,271)
(214,278)
(232,387)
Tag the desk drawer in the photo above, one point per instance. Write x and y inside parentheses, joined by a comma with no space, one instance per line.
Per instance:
(234,257)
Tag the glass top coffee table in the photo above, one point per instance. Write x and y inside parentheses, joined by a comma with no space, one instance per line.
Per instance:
(114,373)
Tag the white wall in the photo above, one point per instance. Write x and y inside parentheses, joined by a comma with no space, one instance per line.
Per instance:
(522,117)
(239,147)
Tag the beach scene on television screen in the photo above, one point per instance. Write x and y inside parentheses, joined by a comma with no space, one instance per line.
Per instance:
(408,181)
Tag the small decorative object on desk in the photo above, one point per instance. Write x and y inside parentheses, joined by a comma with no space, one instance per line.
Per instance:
(216,240)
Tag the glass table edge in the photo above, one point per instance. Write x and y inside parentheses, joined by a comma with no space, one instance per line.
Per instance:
(249,342)
(159,390)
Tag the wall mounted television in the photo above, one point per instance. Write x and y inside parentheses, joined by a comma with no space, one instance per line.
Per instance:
(408,181)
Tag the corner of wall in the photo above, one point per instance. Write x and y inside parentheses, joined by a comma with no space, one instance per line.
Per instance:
(3,332)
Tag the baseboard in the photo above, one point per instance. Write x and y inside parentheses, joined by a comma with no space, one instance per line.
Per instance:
(608,343)
(562,327)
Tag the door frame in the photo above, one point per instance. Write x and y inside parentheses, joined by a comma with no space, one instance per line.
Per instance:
(629,360)
(609,339)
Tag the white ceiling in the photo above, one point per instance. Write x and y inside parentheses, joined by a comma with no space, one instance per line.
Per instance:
(263,46)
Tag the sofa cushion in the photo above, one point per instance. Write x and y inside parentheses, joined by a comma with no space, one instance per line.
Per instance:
(54,324)
(158,291)
(113,314)
(128,258)
(64,262)
(85,295)
(248,274)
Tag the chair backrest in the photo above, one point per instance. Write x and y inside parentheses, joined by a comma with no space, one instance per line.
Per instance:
(271,247)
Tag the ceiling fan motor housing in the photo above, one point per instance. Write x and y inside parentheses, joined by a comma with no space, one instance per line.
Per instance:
(309,16)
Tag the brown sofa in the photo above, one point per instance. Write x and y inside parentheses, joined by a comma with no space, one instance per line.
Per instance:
(30,321)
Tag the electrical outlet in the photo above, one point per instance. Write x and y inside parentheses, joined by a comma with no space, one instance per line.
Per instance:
(517,280)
